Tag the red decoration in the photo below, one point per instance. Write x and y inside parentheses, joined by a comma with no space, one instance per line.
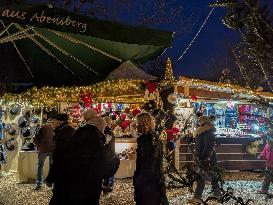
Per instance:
(109,105)
(193,97)
(86,98)
(151,86)
(172,133)
(99,107)
(135,112)
(123,117)
(124,125)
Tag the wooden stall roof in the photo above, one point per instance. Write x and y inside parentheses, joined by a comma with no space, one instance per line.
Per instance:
(209,89)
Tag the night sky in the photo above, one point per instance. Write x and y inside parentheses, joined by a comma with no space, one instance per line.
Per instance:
(208,55)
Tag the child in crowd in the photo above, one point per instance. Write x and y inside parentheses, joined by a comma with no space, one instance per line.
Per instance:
(267,154)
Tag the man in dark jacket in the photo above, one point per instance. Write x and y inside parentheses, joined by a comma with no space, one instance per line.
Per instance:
(44,142)
(61,155)
(85,173)
(205,158)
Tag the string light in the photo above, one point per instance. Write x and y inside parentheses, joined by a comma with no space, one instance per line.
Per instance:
(197,34)
(121,91)
(46,50)
(225,87)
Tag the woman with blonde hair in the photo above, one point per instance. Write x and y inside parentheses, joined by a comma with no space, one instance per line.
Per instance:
(149,181)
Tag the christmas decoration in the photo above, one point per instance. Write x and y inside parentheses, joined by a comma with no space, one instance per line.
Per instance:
(224,87)
(122,91)
(169,78)
(193,98)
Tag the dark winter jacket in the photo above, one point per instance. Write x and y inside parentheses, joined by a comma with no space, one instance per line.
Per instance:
(62,149)
(84,169)
(205,141)
(44,139)
(148,179)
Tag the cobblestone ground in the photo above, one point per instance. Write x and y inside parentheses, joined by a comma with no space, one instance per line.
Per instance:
(12,193)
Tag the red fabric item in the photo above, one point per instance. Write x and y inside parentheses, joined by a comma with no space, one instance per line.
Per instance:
(151,86)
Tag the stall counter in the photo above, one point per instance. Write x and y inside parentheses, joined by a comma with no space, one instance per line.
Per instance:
(27,162)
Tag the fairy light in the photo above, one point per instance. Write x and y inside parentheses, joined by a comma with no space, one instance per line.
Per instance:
(62,50)
(197,34)
(76,41)
(47,51)
(121,91)
(223,87)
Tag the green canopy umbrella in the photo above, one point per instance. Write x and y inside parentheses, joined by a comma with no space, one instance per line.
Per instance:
(59,47)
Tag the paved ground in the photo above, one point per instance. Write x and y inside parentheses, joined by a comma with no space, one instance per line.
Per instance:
(12,193)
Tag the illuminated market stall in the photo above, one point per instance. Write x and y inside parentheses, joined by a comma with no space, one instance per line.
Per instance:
(238,120)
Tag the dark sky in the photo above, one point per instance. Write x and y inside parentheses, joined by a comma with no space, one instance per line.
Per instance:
(209,53)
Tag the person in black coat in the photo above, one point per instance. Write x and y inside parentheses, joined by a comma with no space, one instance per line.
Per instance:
(81,182)
(108,183)
(205,158)
(62,146)
(148,180)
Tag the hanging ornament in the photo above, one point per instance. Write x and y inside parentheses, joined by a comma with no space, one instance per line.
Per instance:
(11,144)
(25,132)
(22,122)
(172,98)
(14,110)
(194,98)
(34,119)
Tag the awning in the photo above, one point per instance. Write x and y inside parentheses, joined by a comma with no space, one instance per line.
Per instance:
(58,47)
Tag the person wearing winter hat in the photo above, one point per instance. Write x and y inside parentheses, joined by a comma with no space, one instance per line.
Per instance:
(80,182)
(61,154)
(91,117)
(206,156)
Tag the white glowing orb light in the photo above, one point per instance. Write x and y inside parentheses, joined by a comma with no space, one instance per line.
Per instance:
(256,127)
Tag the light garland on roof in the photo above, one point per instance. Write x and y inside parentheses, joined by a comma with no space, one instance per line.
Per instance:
(122,91)
(214,86)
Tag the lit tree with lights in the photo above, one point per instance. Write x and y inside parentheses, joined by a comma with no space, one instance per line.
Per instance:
(169,76)
(254,54)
